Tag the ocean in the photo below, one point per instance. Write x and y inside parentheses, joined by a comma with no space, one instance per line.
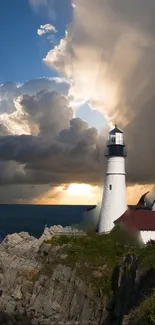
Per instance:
(33,218)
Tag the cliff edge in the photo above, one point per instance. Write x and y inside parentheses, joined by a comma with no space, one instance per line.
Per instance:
(69,277)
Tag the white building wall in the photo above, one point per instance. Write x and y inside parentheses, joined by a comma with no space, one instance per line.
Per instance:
(114,197)
(147,235)
(115,165)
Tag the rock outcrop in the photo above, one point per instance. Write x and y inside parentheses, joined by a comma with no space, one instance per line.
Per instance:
(37,286)
(27,293)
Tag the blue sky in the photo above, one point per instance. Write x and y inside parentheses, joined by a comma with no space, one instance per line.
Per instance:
(103,36)
(22,49)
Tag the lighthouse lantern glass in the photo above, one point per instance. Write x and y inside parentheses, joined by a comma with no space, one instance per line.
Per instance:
(119,138)
(112,139)
(116,138)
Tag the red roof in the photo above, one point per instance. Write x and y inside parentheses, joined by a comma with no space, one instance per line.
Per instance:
(139,219)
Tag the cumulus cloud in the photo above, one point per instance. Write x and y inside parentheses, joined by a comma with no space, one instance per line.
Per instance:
(49,110)
(46,160)
(19,116)
(59,149)
(109,54)
(54,148)
(108,58)
(45,29)
(9,92)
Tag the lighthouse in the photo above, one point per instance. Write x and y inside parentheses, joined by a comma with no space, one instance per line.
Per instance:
(114,197)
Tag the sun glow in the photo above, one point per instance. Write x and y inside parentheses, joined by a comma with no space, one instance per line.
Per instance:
(80,190)
(83,194)
(74,193)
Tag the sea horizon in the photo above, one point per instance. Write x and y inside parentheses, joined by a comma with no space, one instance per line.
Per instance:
(85,205)
(32,218)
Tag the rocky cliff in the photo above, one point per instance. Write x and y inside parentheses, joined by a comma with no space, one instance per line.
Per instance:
(28,295)
(40,284)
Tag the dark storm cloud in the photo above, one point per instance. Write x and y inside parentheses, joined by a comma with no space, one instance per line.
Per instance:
(60,149)
(49,110)
(140,139)
(110,47)
(20,193)
(109,53)
(141,13)
(52,161)
(72,134)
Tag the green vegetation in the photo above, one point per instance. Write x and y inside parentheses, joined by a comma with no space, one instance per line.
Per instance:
(147,256)
(95,256)
(146,312)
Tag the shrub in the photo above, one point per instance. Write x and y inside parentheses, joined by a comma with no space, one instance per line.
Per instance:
(91,254)
(147,311)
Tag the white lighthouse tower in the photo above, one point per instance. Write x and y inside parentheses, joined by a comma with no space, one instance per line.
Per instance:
(114,197)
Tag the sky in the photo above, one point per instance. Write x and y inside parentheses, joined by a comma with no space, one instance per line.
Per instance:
(68,72)
(22,49)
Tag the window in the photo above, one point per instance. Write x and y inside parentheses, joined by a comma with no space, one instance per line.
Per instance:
(110,187)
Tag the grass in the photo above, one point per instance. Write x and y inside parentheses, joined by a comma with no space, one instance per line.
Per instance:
(146,312)
(147,256)
(94,257)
